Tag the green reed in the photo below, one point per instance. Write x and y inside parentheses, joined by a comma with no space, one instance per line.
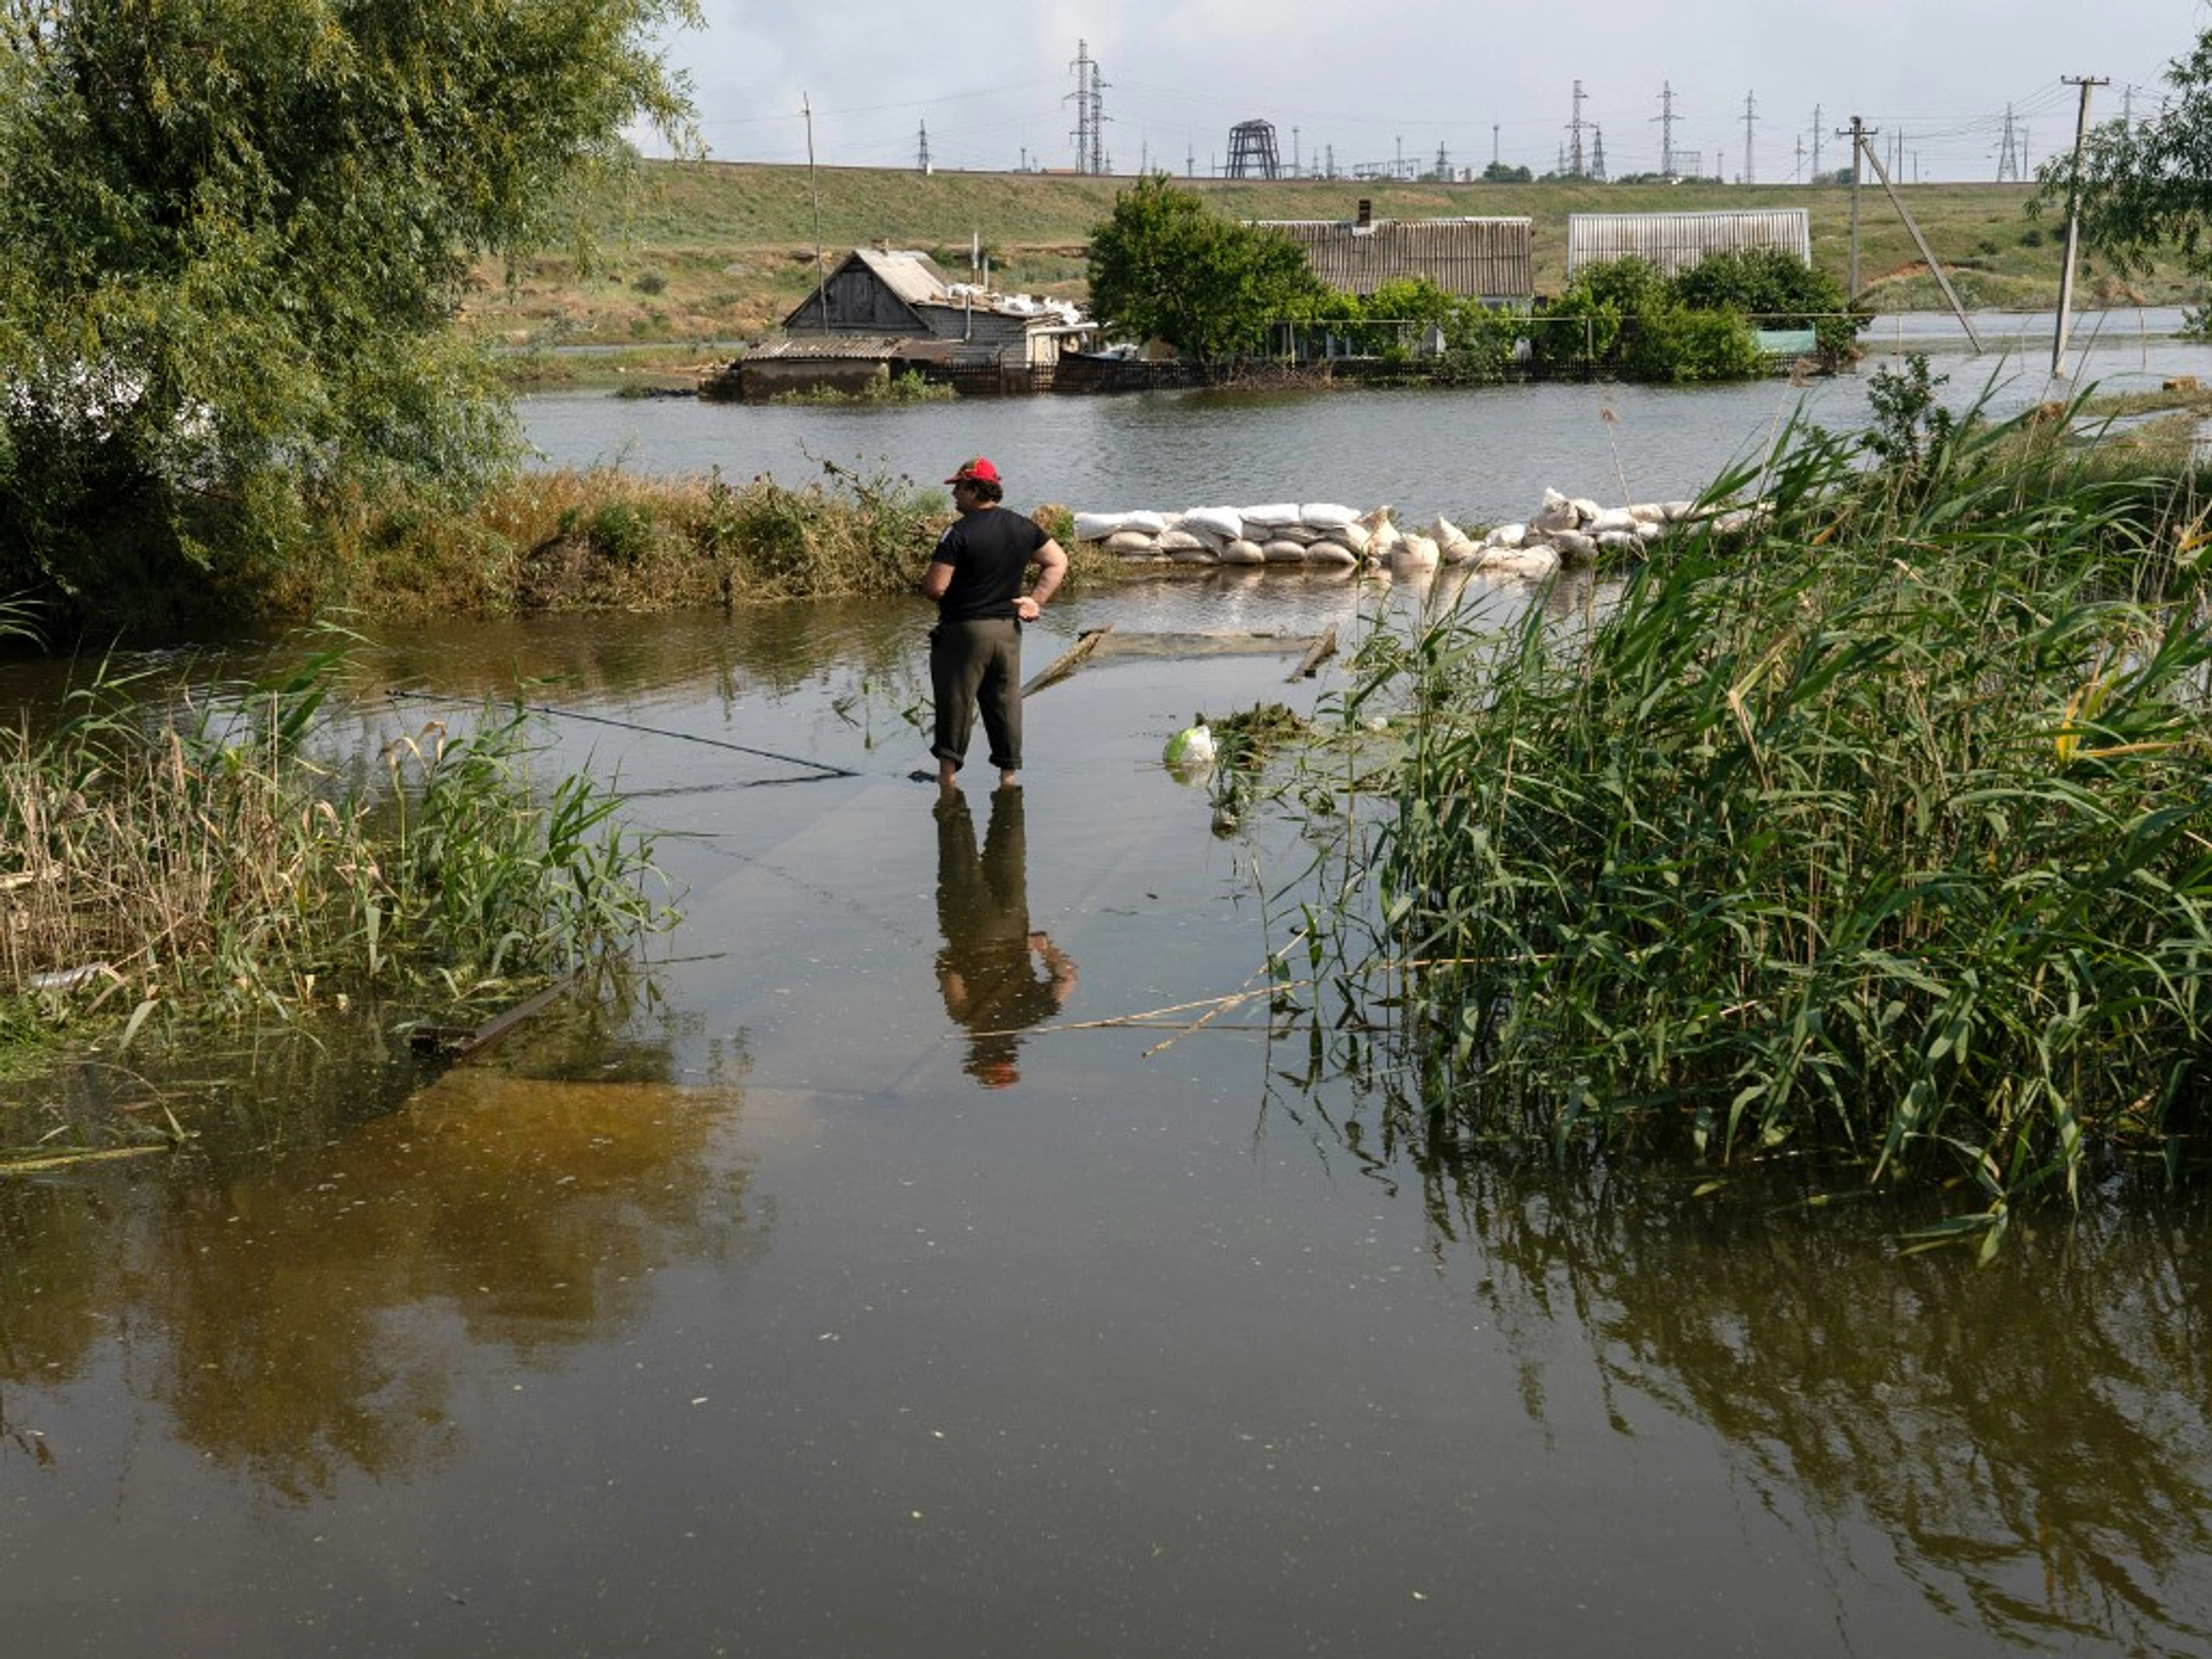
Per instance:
(1878,834)
(199,858)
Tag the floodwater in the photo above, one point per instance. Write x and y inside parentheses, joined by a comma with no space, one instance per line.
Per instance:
(903,1269)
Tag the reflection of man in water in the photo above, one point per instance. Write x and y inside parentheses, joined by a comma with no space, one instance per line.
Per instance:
(985,971)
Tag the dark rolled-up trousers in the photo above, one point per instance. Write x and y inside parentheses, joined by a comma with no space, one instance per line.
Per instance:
(976,667)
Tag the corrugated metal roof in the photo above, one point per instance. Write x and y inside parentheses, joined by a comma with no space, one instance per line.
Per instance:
(914,277)
(1678,241)
(1474,258)
(857,347)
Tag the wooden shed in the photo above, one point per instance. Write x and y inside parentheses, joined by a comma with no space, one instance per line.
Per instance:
(1676,242)
(1484,259)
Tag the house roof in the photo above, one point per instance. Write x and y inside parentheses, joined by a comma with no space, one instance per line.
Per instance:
(1475,258)
(1678,241)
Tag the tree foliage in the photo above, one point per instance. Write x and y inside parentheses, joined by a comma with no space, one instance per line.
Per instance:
(1165,266)
(2145,184)
(233,236)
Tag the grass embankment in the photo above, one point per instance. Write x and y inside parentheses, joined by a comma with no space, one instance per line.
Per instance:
(1878,842)
(204,867)
(569,541)
(721,251)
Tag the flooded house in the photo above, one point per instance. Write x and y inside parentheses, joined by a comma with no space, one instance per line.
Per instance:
(885,312)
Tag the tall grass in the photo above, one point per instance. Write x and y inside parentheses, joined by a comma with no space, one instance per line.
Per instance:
(1881,837)
(200,860)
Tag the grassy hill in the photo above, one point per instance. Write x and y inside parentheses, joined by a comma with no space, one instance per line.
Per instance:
(722,251)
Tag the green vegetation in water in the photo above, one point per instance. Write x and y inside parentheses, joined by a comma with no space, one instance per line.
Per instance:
(908,388)
(1876,840)
(208,869)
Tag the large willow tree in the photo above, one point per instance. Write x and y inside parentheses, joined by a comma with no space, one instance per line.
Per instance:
(234,235)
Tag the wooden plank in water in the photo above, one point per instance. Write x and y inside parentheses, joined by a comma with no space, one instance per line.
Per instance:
(1323,647)
(1069,660)
(455,1042)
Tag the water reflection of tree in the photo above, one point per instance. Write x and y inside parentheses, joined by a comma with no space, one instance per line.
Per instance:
(2034,1437)
(312,1312)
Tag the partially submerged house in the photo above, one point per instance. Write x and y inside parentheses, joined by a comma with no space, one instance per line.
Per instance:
(1676,242)
(886,312)
(1484,259)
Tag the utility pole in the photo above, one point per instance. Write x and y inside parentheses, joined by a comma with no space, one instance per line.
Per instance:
(1927,253)
(1816,141)
(2073,220)
(1859,132)
(1751,103)
(814,195)
(1666,120)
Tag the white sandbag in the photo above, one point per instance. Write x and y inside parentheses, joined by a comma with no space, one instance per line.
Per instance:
(1557,512)
(1153,521)
(1585,511)
(1224,522)
(1619,541)
(1191,555)
(1133,541)
(1444,532)
(1098,526)
(1325,515)
(1647,512)
(1462,552)
(1538,559)
(1331,555)
(1648,530)
(1415,553)
(1676,512)
(1241,551)
(1304,535)
(1574,547)
(1610,520)
(1271,513)
(1282,552)
(1353,536)
(1507,535)
(1181,541)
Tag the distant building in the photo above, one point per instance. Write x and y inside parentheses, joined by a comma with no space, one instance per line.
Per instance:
(885,312)
(1676,242)
(1484,259)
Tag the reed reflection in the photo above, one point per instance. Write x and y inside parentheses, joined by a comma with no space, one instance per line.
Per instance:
(2033,1437)
(988,969)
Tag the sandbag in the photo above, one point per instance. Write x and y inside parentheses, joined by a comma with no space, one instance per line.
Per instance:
(1325,515)
(1331,555)
(1610,520)
(1098,526)
(1281,552)
(1224,522)
(1556,513)
(1132,541)
(1241,551)
(1272,514)
(1507,535)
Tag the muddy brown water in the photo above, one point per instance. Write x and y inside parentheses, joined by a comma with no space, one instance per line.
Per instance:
(795,1307)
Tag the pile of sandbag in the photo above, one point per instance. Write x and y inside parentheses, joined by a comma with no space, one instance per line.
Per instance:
(1564,531)
(1312,533)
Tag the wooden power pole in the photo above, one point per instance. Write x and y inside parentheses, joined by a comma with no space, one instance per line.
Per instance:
(2072,224)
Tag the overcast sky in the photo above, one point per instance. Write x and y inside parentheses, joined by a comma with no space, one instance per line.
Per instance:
(1388,84)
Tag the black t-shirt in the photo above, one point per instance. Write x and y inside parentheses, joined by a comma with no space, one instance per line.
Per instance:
(986,550)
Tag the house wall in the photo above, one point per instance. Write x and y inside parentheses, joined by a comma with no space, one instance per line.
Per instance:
(854,301)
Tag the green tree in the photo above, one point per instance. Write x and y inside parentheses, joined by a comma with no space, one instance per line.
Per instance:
(2145,185)
(1774,289)
(233,236)
(1165,266)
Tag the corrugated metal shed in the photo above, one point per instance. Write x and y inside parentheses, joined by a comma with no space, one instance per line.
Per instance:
(1475,258)
(1679,241)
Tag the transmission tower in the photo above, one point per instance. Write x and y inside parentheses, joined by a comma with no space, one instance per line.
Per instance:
(1598,154)
(1252,151)
(1574,131)
(1666,120)
(1751,103)
(2008,159)
(1817,130)
(1090,112)
(922,161)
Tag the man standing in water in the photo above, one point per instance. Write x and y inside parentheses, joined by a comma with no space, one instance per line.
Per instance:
(975,576)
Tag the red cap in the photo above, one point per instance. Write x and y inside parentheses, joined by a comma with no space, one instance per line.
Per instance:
(978,471)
